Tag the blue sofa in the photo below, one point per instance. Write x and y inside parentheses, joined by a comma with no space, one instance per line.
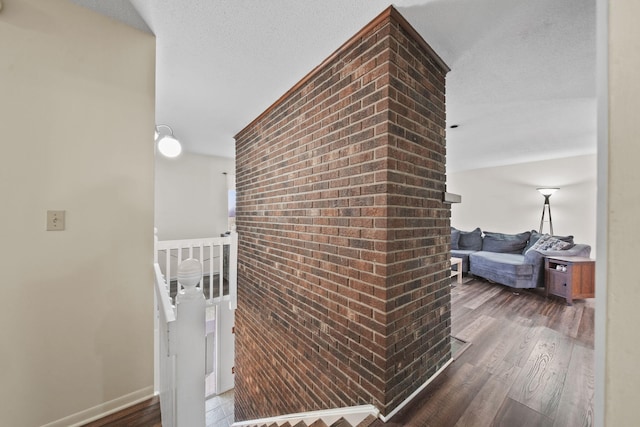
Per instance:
(515,260)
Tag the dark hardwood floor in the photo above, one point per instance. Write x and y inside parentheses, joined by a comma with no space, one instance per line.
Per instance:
(144,414)
(530,363)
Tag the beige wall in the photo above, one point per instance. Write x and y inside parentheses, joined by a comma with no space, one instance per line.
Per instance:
(76,119)
(623,282)
(504,199)
(194,187)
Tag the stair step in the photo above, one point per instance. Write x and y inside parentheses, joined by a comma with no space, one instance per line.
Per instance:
(341,423)
(367,422)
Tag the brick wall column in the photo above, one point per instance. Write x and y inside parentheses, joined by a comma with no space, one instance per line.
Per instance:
(343,281)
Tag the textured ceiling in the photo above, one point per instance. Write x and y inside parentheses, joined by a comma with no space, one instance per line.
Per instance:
(522,85)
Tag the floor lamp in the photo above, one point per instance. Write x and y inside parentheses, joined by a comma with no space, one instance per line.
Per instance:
(546,192)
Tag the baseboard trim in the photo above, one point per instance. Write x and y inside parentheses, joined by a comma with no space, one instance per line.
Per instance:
(107,408)
(413,395)
(361,411)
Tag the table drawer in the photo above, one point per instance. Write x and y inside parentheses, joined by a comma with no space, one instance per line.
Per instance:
(557,283)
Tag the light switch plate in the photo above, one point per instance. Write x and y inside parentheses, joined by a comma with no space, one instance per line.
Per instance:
(55,220)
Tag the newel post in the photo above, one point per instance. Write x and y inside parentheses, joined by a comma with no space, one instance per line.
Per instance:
(190,349)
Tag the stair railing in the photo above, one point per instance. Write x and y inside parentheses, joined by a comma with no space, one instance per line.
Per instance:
(218,257)
(182,347)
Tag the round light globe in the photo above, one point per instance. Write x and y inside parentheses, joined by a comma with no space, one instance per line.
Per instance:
(169,146)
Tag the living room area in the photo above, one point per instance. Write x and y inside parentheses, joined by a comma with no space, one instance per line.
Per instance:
(523,356)
(503,214)
(505,199)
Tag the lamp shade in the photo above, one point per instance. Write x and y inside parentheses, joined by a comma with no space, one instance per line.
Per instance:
(547,191)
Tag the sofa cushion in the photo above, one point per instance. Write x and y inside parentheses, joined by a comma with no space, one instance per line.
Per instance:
(508,269)
(455,238)
(470,240)
(505,243)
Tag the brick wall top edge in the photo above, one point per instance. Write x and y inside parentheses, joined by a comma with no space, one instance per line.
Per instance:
(389,15)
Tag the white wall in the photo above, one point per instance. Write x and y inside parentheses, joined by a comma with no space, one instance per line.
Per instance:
(76,115)
(191,196)
(623,222)
(504,199)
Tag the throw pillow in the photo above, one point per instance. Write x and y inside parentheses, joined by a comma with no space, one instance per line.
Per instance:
(455,238)
(470,240)
(550,243)
(535,236)
(568,239)
(505,243)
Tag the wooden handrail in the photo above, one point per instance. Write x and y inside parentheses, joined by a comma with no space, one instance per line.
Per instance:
(164,300)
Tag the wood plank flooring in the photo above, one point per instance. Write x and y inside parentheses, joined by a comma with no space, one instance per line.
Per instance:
(145,414)
(530,363)
(219,413)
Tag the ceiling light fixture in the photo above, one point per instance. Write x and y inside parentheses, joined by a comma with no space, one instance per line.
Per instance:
(168,145)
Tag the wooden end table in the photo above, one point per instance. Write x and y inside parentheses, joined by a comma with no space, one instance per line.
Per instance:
(570,277)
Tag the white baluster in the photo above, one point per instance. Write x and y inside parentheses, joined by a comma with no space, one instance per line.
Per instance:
(221,270)
(179,257)
(201,258)
(155,245)
(167,268)
(210,246)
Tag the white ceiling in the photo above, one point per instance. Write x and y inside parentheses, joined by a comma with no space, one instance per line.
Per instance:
(522,85)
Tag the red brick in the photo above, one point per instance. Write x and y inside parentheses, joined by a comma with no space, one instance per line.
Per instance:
(343,280)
